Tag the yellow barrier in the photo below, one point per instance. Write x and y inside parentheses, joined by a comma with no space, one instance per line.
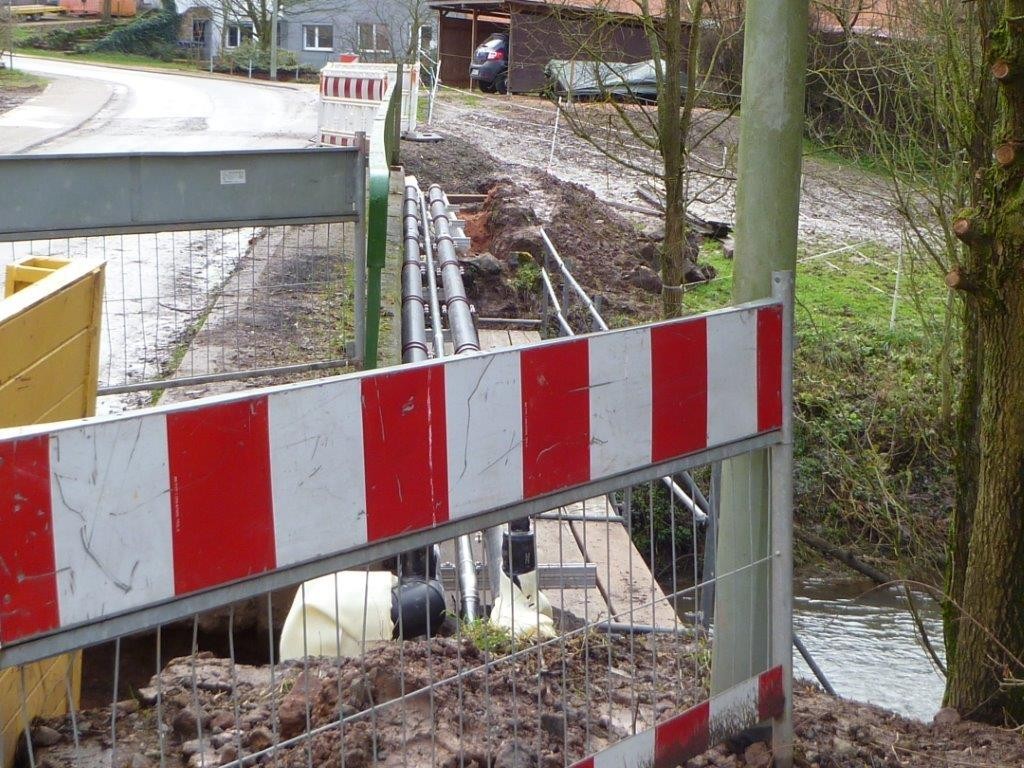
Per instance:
(49,365)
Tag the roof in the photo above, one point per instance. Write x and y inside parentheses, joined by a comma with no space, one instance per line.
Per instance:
(616,7)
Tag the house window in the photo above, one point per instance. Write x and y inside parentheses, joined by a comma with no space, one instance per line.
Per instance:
(426,37)
(237,34)
(374,38)
(317,37)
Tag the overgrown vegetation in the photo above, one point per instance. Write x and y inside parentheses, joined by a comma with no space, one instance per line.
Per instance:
(873,433)
(154,34)
(79,37)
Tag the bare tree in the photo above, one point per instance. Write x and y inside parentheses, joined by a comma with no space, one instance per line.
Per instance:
(660,139)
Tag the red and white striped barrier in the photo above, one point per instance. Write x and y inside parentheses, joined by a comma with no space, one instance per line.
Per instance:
(110,515)
(338,140)
(683,737)
(368,88)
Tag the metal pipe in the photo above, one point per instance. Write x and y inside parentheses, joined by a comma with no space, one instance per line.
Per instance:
(414,330)
(460,315)
(467,579)
(464,339)
(799,645)
(567,276)
(435,305)
(553,298)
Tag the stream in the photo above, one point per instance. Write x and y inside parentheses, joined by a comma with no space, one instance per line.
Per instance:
(864,640)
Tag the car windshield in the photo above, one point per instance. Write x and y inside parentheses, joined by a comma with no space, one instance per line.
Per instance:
(493,43)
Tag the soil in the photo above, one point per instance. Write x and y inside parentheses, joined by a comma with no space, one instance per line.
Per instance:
(547,708)
(15,97)
(613,257)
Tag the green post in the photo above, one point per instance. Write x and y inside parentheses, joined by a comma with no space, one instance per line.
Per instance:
(383,154)
(767,207)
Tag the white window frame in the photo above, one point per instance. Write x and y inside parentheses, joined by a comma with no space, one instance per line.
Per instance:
(375,31)
(238,28)
(317,46)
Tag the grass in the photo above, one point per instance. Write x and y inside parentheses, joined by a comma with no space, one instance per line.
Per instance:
(871,397)
(16,80)
(118,59)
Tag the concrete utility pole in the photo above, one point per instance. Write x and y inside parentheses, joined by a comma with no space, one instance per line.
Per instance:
(273,42)
(767,206)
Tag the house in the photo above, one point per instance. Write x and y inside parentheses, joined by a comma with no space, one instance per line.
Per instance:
(313,31)
(608,30)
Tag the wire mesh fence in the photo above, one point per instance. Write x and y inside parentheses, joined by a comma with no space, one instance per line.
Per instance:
(208,304)
(595,637)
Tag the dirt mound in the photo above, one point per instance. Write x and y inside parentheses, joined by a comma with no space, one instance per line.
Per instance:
(546,707)
(615,261)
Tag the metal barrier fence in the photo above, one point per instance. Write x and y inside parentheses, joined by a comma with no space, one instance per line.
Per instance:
(193,307)
(126,524)
(214,259)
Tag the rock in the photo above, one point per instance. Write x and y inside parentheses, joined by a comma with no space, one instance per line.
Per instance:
(520,240)
(44,736)
(148,695)
(259,739)
(554,724)
(843,748)
(222,719)
(127,707)
(757,755)
(644,278)
(651,254)
(485,264)
(653,230)
(205,759)
(515,754)
(228,754)
(292,712)
(186,724)
(946,716)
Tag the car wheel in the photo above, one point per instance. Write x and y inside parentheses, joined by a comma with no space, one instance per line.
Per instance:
(485,87)
(501,83)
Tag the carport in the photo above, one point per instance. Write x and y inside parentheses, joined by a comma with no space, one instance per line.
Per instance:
(538,32)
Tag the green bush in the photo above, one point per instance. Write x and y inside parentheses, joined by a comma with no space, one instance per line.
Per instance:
(155,34)
(70,38)
(249,52)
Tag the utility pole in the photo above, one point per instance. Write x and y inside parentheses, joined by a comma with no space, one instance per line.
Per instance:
(767,207)
(273,42)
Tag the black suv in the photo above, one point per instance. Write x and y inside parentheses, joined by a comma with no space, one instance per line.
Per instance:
(490,64)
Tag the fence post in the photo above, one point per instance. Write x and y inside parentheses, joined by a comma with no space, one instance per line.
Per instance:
(781,457)
(359,258)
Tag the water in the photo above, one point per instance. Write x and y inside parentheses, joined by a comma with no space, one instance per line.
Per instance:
(864,640)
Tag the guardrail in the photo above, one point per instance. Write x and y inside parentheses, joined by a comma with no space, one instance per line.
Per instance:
(383,154)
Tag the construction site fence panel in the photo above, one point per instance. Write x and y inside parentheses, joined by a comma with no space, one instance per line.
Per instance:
(68,195)
(211,270)
(237,561)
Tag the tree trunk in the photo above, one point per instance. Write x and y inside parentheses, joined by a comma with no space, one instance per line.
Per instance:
(989,636)
(673,249)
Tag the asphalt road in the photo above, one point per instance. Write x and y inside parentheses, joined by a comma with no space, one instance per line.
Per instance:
(88,108)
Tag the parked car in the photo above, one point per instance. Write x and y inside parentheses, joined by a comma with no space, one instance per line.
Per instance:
(490,64)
